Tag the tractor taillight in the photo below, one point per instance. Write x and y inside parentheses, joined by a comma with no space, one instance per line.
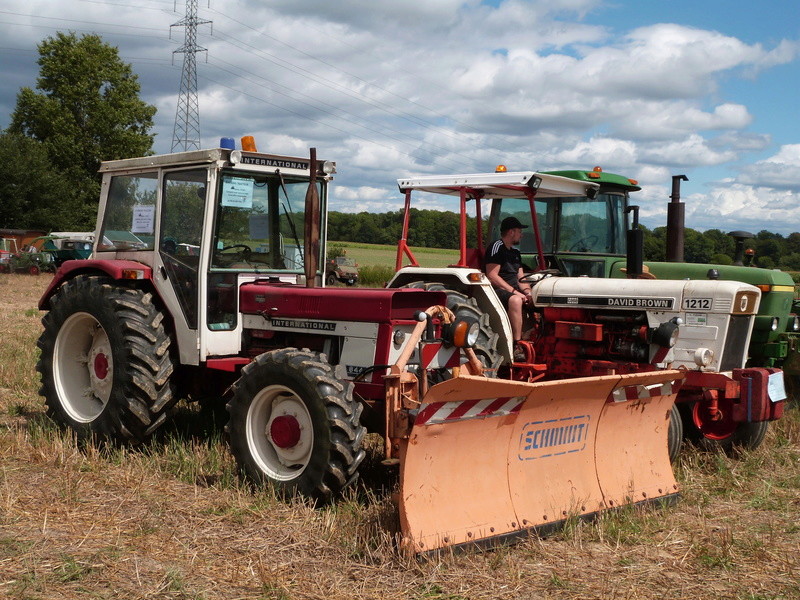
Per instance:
(132,274)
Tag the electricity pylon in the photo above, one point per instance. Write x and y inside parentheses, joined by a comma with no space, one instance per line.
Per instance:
(186,135)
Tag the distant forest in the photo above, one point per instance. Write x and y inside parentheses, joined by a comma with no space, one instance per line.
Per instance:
(439,229)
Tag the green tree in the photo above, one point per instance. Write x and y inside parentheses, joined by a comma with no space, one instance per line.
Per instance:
(32,194)
(85,109)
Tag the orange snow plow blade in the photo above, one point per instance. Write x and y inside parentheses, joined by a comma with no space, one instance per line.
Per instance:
(489,461)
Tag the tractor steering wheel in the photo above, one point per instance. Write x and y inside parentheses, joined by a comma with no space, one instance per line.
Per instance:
(244,250)
(585,243)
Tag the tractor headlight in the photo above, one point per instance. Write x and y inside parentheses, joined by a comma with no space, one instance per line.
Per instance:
(703,357)
(462,333)
(795,323)
(666,335)
(774,325)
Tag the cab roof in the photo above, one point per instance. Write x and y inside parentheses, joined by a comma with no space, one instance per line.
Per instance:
(500,185)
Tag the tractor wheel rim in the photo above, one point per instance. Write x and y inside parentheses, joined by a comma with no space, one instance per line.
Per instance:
(718,429)
(280,433)
(83,367)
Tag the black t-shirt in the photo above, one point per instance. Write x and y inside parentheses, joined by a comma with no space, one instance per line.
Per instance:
(509,259)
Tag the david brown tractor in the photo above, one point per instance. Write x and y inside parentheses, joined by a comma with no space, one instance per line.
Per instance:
(204,283)
(586,237)
(586,326)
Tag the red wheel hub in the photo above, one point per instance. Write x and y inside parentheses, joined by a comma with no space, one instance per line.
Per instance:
(101,366)
(284,431)
(719,426)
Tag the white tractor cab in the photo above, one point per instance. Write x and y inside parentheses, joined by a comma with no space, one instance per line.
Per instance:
(582,326)
(162,212)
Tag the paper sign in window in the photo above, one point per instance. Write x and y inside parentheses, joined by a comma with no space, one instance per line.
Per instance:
(237,192)
(143,218)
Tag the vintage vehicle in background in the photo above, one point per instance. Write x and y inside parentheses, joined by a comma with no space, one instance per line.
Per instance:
(341,269)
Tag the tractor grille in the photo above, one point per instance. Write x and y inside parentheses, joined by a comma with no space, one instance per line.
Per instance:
(735,351)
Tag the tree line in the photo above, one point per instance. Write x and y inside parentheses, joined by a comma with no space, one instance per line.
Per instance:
(440,229)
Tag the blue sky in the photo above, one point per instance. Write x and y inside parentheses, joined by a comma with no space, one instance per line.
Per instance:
(386,89)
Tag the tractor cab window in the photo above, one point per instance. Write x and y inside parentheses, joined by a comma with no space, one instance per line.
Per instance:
(130,213)
(259,224)
(593,226)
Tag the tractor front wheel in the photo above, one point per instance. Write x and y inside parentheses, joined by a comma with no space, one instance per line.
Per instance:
(720,432)
(675,434)
(294,423)
(462,306)
(105,362)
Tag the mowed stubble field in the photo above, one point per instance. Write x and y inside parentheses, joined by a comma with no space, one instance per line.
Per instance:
(170,520)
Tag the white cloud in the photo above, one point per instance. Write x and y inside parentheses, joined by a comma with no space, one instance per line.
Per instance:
(691,151)
(778,171)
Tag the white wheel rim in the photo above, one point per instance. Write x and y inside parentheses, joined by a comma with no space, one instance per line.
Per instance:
(279,462)
(83,367)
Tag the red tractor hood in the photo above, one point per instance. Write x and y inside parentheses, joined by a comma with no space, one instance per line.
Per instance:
(362,304)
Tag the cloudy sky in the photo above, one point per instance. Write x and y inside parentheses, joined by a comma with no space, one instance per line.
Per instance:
(388,88)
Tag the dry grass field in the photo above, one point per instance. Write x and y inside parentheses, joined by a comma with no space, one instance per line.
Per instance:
(169,520)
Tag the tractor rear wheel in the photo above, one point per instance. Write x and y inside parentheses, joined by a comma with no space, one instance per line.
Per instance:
(105,360)
(486,348)
(294,423)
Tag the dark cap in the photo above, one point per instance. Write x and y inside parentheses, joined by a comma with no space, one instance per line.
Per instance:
(511,223)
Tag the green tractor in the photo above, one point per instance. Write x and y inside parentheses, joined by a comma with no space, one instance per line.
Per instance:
(595,237)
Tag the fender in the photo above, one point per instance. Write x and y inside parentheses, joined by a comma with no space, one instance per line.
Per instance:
(116,269)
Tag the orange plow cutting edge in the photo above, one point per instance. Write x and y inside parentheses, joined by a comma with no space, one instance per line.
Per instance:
(489,460)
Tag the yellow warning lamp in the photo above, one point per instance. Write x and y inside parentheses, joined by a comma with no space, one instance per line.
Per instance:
(595,173)
(500,169)
(249,144)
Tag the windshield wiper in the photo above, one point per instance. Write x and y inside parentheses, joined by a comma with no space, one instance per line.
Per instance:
(289,214)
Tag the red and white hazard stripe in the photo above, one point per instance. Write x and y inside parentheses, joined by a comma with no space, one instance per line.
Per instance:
(448,412)
(642,392)
(439,356)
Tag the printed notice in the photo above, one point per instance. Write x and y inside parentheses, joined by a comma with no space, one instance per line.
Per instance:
(144,217)
(237,192)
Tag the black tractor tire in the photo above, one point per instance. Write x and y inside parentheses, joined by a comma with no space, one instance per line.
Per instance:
(330,279)
(463,306)
(675,434)
(105,361)
(294,423)
(745,436)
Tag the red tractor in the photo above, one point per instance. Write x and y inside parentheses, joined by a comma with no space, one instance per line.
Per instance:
(204,283)
(586,326)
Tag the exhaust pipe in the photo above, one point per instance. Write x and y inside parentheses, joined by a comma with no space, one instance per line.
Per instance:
(675,221)
(635,242)
(311,229)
